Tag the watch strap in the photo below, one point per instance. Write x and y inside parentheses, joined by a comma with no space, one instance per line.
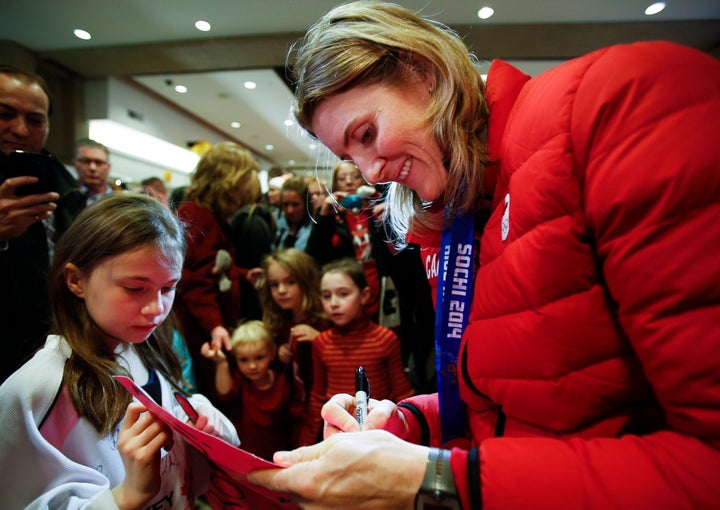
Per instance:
(438,486)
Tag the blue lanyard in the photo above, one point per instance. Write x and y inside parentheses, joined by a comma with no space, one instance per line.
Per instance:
(454,294)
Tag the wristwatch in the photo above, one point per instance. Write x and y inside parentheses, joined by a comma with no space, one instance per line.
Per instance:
(438,491)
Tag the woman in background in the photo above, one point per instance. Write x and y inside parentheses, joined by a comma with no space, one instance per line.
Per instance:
(210,303)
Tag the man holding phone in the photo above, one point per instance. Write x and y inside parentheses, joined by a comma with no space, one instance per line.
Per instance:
(24,219)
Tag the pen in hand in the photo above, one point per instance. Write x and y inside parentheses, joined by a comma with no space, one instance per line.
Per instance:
(362,396)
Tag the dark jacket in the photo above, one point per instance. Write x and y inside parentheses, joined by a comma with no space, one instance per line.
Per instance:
(24,301)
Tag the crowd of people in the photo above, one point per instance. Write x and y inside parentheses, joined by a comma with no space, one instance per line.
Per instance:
(227,315)
(549,237)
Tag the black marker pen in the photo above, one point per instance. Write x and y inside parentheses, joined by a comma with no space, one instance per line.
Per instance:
(362,395)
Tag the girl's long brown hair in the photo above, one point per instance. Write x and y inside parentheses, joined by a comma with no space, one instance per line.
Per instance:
(114,225)
(303,269)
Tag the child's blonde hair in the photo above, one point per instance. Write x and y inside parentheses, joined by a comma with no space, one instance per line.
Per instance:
(252,332)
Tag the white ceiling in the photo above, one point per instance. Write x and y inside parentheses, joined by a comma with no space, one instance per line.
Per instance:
(261,31)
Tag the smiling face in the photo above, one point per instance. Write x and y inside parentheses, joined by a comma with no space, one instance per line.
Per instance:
(24,121)
(127,295)
(381,129)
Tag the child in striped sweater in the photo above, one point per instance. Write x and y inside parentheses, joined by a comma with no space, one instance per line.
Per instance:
(352,341)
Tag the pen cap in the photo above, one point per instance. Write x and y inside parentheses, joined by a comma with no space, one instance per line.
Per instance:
(361,381)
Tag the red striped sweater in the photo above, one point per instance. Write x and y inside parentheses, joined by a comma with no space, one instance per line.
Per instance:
(336,355)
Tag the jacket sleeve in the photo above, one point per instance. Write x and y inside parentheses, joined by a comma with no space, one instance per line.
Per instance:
(199,287)
(644,133)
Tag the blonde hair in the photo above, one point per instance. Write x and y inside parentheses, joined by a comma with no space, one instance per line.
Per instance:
(251,332)
(303,269)
(221,173)
(367,42)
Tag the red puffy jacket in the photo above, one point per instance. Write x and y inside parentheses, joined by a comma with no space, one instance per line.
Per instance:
(591,364)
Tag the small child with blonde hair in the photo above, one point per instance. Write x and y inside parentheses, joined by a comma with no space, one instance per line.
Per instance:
(261,398)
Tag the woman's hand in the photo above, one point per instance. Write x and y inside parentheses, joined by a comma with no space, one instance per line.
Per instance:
(339,416)
(348,470)
(139,442)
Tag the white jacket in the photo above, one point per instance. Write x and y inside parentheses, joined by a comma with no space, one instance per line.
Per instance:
(50,458)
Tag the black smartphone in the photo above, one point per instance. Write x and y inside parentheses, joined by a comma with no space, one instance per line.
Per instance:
(187,407)
(35,164)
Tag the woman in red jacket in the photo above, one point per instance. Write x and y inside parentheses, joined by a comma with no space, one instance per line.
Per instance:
(209,305)
(589,366)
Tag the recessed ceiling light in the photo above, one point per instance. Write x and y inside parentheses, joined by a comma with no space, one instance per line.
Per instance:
(82,34)
(291,161)
(235,124)
(181,89)
(654,8)
(269,147)
(485,12)
(288,122)
(250,85)
(203,26)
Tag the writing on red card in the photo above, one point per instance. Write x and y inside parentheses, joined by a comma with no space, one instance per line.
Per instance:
(229,485)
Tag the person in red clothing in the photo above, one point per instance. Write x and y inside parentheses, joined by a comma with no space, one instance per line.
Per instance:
(290,298)
(588,369)
(261,398)
(209,303)
(353,341)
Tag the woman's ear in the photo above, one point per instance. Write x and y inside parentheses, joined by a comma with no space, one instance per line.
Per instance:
(73,279)
(423,71)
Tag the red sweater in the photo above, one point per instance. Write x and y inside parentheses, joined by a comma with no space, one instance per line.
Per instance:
(336,355)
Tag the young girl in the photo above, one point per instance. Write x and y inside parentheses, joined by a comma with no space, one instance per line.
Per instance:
(265,396)
(74,439)
(290,297)
(353,341)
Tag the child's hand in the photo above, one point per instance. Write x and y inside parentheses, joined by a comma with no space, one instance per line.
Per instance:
(304,333)
(210,352)
(139,442)
(285,354)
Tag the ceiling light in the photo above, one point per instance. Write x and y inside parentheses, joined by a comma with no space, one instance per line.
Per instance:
(203,26)
(654,8)
(288,122)
(142,146)
(312,146)
(82,34)
(485,12)
(269,147)
(250,85)
(291,161)
(181,89)
(235,124)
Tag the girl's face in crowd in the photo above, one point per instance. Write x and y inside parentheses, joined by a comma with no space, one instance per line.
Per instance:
(348,178)
(253,359)
(284,289)
(293,206)
(343,301)
(127,295)
(380,128)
